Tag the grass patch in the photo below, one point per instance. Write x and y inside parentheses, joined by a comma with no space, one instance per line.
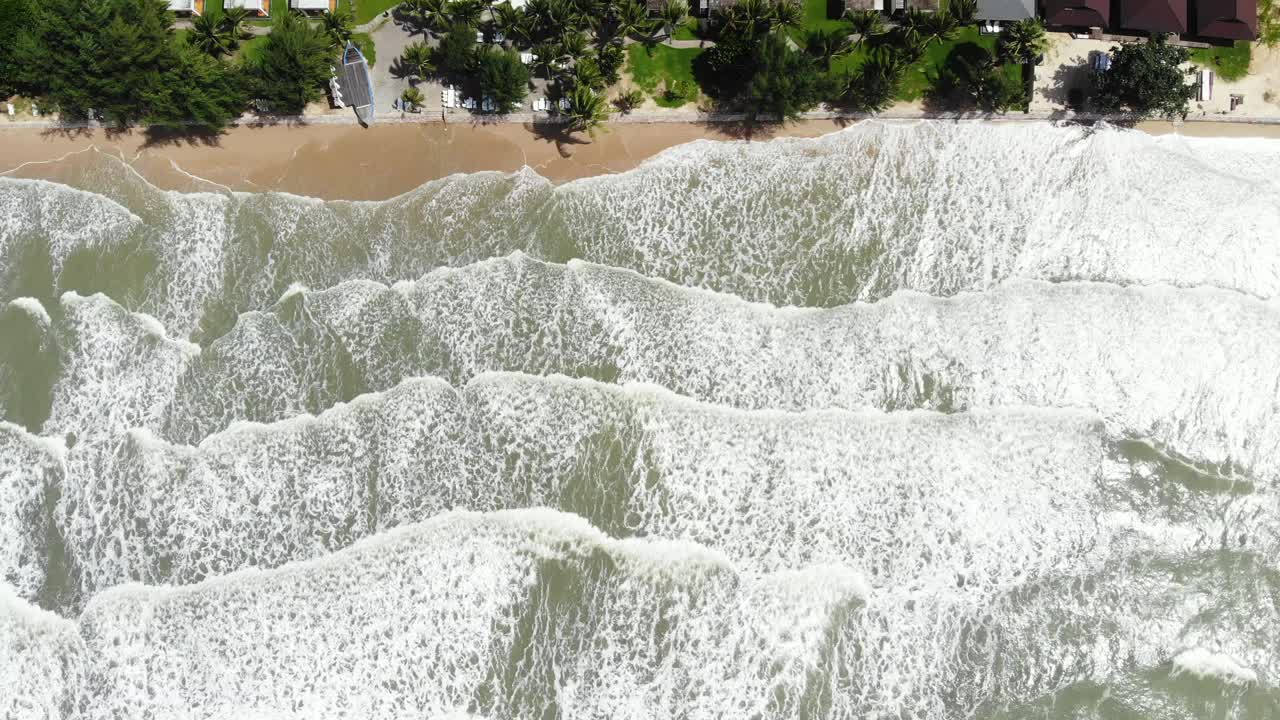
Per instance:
(659,66)
(1231,63)
(365,42)
(251,49)
(1269,22)
(818,16)
(367,10)
(919,78)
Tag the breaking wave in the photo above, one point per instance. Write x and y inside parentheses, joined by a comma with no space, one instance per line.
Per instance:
(857,215)
(502,449)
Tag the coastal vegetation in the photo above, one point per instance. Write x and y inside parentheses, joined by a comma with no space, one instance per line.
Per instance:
(1145,79)
(1231,62)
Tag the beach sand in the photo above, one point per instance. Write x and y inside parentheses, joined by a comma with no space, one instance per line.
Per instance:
(349,162)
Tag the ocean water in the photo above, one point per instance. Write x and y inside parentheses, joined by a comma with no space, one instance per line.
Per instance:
(918,420)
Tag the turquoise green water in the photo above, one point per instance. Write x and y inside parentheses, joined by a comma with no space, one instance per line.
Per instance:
(911,421)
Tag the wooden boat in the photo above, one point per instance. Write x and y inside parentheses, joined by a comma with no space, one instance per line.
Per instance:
(355,85)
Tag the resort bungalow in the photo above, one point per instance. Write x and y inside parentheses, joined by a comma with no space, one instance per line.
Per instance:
(1077,13)
(851,6)
(261,7)
(188,7)
(314,5)
(1005,10)
(1154,16)
(1227,19)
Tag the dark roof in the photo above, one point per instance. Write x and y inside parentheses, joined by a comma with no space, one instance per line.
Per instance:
(1077,13)
(1006,9)
(1157,16)
(1230,19)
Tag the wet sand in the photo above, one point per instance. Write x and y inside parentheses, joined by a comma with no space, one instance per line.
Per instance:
(346,161)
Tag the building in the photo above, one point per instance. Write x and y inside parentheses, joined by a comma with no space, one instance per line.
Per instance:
(187,7)
(1077,13)
(261,7)
(353,86)
(1154,16)
(314,5)
(1227,19)
(1006,10)
(863,5)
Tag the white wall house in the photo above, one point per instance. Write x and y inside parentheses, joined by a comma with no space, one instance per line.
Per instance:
(309,5)
(262,7)
(193,7)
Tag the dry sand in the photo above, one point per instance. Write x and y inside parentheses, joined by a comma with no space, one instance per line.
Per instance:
(346,161)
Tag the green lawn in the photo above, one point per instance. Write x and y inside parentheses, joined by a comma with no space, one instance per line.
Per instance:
(918,79)
(251,49)
(367,10)
(1231,63)
(817,16)
(652,68)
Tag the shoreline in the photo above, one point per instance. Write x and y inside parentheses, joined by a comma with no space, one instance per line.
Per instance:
(331,157)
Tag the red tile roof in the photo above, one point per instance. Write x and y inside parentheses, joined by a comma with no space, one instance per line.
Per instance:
(1157,16)
(1077,13)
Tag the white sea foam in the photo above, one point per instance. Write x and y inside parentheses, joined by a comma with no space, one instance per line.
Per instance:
(1208,664)
(41,661)
(768,489)
(1120,352)
(32,307)
(452,603)
(30,467)
(939,208)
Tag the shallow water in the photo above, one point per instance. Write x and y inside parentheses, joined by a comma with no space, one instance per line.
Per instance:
(909,421)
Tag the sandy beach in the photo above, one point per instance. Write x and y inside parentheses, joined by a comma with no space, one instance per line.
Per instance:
(349,162)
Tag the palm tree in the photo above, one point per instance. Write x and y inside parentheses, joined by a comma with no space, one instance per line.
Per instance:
(573,45)
(673,14)
(417,60)
(963,10)
(338,25)
(827,44)
(747,18)
(873,87)
(587,110)
(412,96)
(433,14)
(910,30)
(545,57)
(209,35)
(633,20)
(866,24)
(466,12)
(1022,41)
(788,14)
(233,19)
(511,23)
(940,26)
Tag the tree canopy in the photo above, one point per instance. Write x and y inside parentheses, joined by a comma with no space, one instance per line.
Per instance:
(15,18)
(293,67)
(117,58)
(1145,79)
(504,78)
(786,82)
